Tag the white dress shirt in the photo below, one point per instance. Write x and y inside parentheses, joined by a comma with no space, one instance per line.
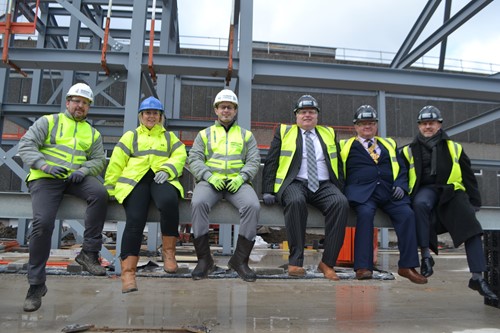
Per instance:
(320,158)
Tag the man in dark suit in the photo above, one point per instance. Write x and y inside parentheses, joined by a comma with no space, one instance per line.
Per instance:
(445,197)
(293,180)
(376,177)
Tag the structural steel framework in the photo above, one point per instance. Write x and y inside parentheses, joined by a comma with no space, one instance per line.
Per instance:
(76,40)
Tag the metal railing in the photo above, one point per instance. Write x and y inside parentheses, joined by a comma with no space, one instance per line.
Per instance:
(337,53)
(344,54)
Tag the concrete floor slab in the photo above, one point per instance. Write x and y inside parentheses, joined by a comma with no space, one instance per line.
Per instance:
(229,304)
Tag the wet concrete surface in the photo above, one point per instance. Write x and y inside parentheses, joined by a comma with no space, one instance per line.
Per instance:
(273,304)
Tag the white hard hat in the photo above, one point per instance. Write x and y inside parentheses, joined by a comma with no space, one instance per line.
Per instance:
(81,89)
(226,95)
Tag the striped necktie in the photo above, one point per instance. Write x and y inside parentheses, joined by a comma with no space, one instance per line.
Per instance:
(312,167)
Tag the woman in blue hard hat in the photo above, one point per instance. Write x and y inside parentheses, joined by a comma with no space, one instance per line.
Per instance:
(146,165)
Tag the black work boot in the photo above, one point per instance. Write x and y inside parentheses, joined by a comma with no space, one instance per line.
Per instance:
(206,263)
(90,261)
(33,299)
(239,260)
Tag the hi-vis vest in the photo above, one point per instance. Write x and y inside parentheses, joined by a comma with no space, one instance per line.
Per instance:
(225,151)
(455,177)
(289,135)
(388,143)
(133,158)
(66,144)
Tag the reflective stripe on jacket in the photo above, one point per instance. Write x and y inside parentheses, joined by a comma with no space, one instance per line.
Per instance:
(137,152)
(225,151)
(67,144)
(455,177)
(289,135)
(388,143)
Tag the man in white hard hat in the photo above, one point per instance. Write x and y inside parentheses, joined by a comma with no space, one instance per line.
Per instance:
(224,159)
(65,154)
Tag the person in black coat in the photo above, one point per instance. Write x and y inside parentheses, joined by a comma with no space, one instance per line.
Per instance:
(445,196)
(376,178)
(292,179)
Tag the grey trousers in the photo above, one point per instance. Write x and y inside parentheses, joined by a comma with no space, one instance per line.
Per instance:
(46,197)
(245,200)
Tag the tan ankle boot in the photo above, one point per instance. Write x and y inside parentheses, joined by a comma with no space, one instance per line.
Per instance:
(168,253)
(129,267)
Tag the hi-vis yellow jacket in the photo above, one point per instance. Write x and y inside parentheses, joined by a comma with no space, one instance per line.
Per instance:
(455,177)
(388,143)
(226,153)
(289,135)
(58,139)
(137,152)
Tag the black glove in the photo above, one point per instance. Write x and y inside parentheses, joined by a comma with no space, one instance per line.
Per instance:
(76,177)
(398,193)
(269,199)
(54,170)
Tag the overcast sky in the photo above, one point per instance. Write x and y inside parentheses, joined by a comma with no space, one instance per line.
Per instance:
(380,25)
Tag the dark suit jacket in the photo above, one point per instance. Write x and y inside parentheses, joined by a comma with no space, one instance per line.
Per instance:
(364,176)
(444,166)
(272,162)
(454,214)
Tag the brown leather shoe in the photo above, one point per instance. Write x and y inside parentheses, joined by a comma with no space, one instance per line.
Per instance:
(296,271)
(363,274)
(412,275)
(328,271)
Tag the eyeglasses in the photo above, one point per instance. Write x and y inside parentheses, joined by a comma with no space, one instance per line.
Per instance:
(304,112)
(223,107)
(80,101)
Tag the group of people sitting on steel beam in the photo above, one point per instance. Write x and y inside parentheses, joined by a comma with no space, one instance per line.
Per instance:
(426,188)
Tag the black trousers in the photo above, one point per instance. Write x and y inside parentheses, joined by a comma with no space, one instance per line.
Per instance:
(46,197)
(334,206)
(424,203)
(166,199)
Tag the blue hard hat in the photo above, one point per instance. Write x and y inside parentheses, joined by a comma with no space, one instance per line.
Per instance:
(151,103)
